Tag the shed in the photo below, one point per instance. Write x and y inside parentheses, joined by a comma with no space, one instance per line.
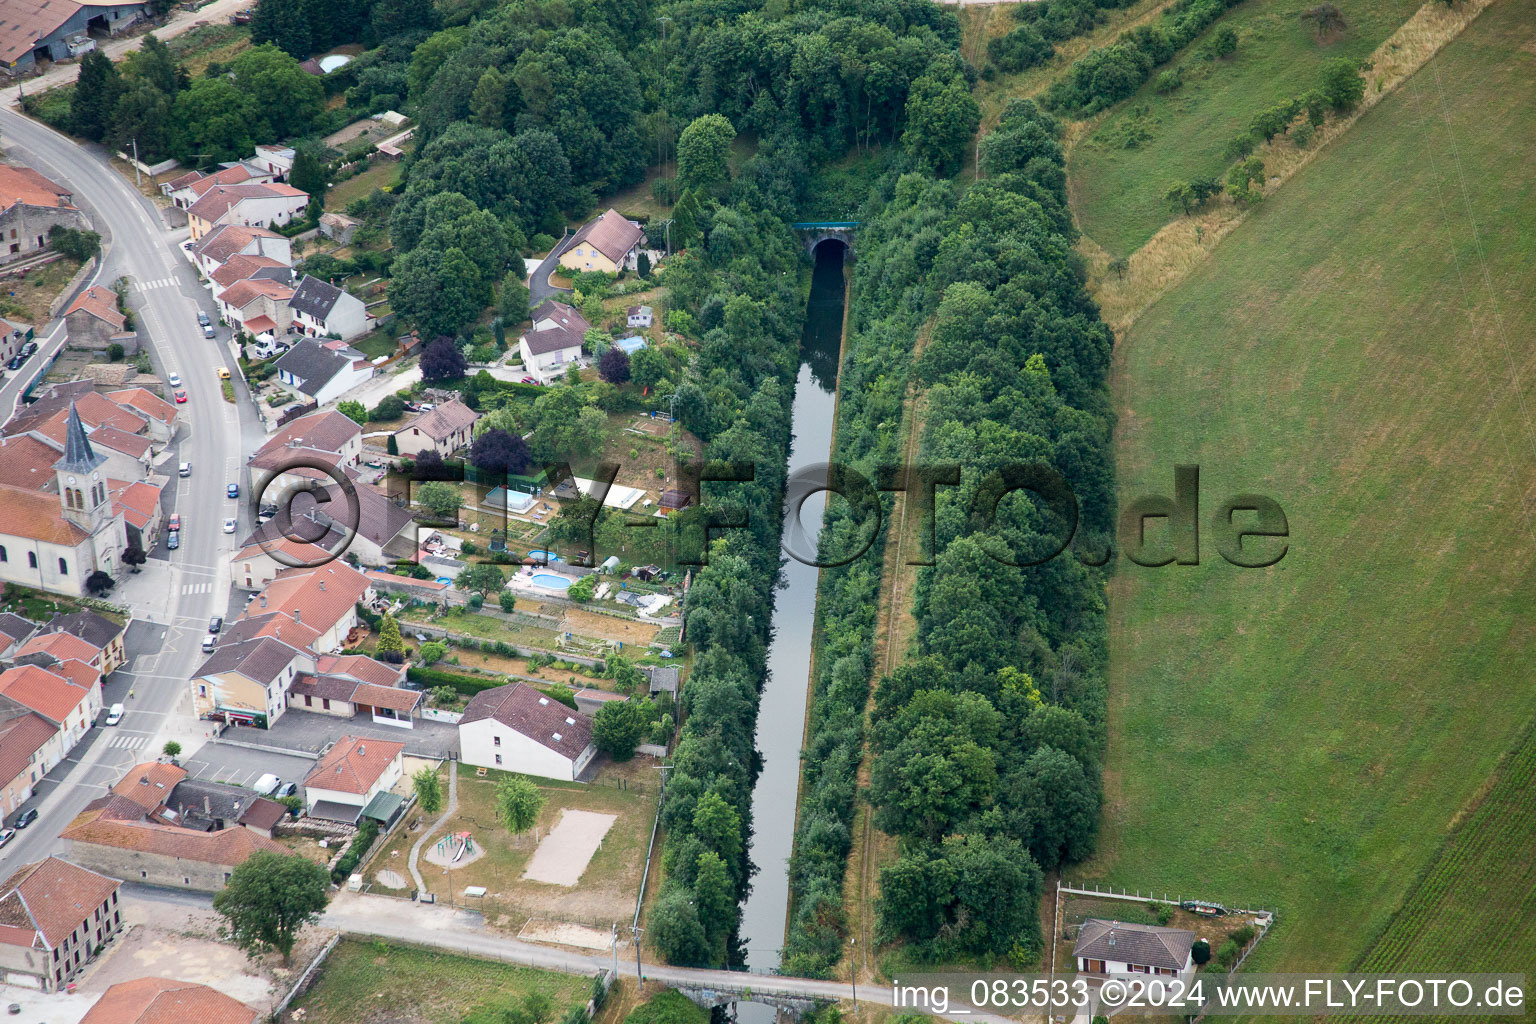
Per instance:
(610,564)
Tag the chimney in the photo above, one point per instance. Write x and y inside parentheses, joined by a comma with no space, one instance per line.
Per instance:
(322,586)
(207,806)
(362,750)
(298,616)
(263,600)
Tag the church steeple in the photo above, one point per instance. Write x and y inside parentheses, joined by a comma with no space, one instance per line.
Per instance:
(82,489)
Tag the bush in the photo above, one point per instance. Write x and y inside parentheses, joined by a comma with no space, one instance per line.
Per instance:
(1168,81)
(507,601)
(1224,41)
(1022,48)
(476,601)
(432,652)
(1227,955)
(1200,952)
(72,242)
(1162,912)
(1242,936)
(366,833)
(581,591)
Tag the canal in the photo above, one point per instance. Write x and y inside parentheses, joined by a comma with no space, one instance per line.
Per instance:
(781,713)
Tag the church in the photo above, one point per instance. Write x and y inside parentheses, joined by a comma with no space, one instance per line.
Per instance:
(54,542)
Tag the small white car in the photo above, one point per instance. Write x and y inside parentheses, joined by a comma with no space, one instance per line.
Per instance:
(115,714)
(174,380)
(229,525)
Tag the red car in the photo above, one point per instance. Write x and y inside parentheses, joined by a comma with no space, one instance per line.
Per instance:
(181,397)
(174,523)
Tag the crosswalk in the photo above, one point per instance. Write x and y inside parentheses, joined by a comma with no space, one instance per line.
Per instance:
(127,741)
(197,588)
(164,282)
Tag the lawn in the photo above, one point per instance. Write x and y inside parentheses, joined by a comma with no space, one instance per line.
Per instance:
(606,892)
(384,174)
(368,982)
(206,44)
(28,296)
(1304,737)
(1117,191)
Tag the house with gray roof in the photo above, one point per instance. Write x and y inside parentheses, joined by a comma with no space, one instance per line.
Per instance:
(322,370)
(1115,947)
(322,310)
(518,728)
(249,682)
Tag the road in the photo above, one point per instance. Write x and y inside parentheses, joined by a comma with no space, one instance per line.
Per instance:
(173,599)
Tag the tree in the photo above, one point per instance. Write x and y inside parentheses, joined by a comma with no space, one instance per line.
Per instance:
(430,466)
(214,120)
(1200,952)
(582,590)
(142,116)
(643,265)
(431,652)
(440,498)
(171,748)
(286,97)
(518,803)
(507,601)
(482,578)
(1241,180)
(1326,20)
(715,900)
(443,360)
(134,556)
(649,366)
(391,446)
(1181,197)
(269,898)
(285,24)
(1224,41)
(1342,85)
(512,300)
(436,290)
(489,101)
(942,116)
(98,583)
(429,790)
(1118,266)
(308,174)
(390,407)
(619,726)
(497,452)
(354,411)
(704,154)
(613,367)
(676,929)
(391,645)
(718,826)
(95,96)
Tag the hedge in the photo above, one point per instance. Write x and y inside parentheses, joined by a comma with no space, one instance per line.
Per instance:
(468,686)
(367,832)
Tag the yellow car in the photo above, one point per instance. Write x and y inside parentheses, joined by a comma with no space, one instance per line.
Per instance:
(223,373)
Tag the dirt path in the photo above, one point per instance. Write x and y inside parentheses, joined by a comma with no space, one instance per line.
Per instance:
(448,812)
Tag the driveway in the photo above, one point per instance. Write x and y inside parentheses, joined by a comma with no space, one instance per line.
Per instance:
(539,287)
(298,729)
(241,766)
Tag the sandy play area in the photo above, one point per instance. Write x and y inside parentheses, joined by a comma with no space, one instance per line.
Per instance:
(564,934)
(444,851)
(565,852)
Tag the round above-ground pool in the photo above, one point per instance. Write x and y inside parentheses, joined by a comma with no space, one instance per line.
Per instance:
(446,581)
(550,581)
(544,556)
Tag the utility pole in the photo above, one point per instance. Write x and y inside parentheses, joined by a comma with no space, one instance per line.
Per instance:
(853,969)
(637,931)
(614,930)
(661,60)
(137,180)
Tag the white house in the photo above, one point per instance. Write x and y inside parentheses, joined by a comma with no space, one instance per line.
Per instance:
(257,306)
(322,370)
(444,430)
(554,341)
(348,778)
(278,160)
(639,316)
(322,310)
(1114,947)
(248,205)
(518,729)
(226,241)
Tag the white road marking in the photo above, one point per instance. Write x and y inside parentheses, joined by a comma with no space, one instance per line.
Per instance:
(129,742)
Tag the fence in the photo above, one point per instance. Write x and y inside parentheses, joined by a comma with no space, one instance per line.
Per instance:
(302,985)
(436,715)
(1152,897)
(69,289)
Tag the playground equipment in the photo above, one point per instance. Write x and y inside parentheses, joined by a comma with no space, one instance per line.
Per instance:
(454,846)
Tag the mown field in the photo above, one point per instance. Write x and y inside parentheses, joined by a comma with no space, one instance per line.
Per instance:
(1120,173)
(1304,737)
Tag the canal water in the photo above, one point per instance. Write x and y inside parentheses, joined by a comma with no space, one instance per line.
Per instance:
(781,714)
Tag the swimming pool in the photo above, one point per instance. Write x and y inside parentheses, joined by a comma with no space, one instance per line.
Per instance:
(544,556)
(550,581)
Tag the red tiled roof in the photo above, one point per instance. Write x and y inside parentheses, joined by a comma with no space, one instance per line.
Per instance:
(226,240)
(261,324)
(353,765)
(319,597)
(76,671)
(149,785)
(241,266)
(27,461)
(23,184)
(62,646)
(226,176)
(138,502)
(393,698)
(133,445)
(50,695)
(230,846)
(146,402)
(360,667)
(101,303)
(163,1001)
(37,516)
(611,234)
(243,293)
(56,896)
(327,431)
(217,201)
(20,738)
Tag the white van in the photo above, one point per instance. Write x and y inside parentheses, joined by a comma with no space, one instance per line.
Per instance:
(115,714)
(267,784)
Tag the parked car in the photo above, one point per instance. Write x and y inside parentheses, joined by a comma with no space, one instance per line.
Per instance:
(26,817)
(185,470)
(233,490)
(15,363)
(286,789)
(6,835)
(174,380)
(173,540)
(202,319)
(27,349)
(216,623)
(208,330)
(223,372)
(173,523)
(209,643)
(267,785)
(181,397)
(229,524)
(115,714)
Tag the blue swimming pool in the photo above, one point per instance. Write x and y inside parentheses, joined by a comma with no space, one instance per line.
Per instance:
(544,556)
(551,581)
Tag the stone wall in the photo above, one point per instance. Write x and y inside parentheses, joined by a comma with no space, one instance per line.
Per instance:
(148,868)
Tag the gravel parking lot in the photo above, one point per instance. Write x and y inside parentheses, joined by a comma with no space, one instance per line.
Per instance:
(241,766)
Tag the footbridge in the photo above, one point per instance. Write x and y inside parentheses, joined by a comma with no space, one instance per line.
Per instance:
(753,989)
(813,232)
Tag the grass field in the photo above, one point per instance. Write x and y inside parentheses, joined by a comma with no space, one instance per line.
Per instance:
(1117,192)
(384,174)
(368,982)
(1304,737)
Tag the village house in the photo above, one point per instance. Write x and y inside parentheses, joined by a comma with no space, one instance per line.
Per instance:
(384,533)
(444,430)
(354,779)
(554,340)
(248,205)
(324,598)
(322,370)
(189,188)
(242,267)
(278,160)
(54,915)
(247,682)
(518,729)
(346,686)
(31,206)
(1115,947)
(159,415)
(41,31)
(326,437)
(161,1000)
(100,634)
(257,306)
(93,321)
(227,241)
(24,737)
(639,316)
(13,337)
(321,310)
(609,244)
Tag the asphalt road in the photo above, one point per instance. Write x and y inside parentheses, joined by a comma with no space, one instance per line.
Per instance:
(165,299)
